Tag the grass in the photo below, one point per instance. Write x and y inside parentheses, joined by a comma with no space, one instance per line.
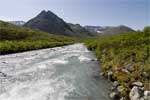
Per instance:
(115,53)
(18,39)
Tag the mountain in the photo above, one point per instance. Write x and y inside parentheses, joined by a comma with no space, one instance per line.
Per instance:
(95,29)
(78,29)
(108,30)
(47,21)
(19,23)
(117,30)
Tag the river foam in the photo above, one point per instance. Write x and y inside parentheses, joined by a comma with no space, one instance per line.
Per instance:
(61,73)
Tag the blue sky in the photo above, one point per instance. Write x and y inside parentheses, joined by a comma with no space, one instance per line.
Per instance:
(133,13)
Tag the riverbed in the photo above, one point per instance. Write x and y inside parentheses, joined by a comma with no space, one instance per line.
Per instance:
(61,73)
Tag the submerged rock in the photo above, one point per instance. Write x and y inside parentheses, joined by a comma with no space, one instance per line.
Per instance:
(102,73)
(96,75)
(110,75)
(94,59)
(3,74)
(115,96)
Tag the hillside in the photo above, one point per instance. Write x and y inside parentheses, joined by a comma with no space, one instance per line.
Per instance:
(125,59)
(47,21)
(19,23)
(95,29)
(79,30)
(17,39)
(108,30)
(117,30)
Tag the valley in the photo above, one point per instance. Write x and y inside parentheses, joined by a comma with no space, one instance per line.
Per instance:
(47,58)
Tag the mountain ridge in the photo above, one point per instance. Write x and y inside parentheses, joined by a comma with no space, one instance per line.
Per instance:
(108,30)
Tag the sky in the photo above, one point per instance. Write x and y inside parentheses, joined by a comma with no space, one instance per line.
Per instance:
(133,13)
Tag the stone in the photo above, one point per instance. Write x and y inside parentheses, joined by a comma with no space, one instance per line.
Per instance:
(125,70)
(147,95)
(110,75)
(141,99)
(94,60)
(113,88)
(145,75)
(139,84)
(116,83)
(120,88)
(102,73)
(3,74)
(122,98)
(136,93)
(130,68)
(114,96)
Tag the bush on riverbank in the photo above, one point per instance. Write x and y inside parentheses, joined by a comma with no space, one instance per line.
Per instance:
(127,56)
(17,39)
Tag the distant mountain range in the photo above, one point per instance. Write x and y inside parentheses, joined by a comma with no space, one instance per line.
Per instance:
(20,23)
(80,30)
(95,29)
(108,30)
(47,21)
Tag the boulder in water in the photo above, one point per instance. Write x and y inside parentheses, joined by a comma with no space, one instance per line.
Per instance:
(110,75)
(115,95)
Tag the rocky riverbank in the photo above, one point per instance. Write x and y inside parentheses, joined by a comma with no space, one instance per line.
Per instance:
(136,91)
(125,60)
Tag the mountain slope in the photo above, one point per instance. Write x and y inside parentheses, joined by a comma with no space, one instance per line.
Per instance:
(127,57)
(108,30)
(117,30)
(16,39)
(79,30)
(94,29)
(19,23)
(51,23)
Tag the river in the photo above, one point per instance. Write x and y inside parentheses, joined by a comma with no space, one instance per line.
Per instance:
(61,73)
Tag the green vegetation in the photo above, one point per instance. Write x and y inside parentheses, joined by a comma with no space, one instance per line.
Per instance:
(121,52)
(17,39)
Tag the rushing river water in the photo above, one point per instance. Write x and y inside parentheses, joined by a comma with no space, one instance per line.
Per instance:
(61,73)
